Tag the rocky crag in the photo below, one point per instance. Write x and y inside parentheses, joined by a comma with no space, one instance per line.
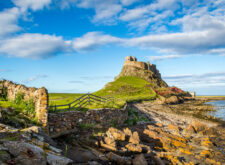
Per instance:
(143,70)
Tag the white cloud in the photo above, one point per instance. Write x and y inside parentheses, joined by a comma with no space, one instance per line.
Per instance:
(31,79)
(147,10)
(157,20)
(193,80)
(185,43)
(105,11)
(33,46)
(128,2)
(92,40)
(8,21)
(32,4)
(163,57)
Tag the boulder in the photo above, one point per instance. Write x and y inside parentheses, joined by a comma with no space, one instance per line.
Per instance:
(134,147)
(118,159)
(26,153)
(134,138)
(58,160)
(189,129)
(110,141)
(140,160)
(116,134)
(127,131)
(172,100)
(199,126)
(173,127)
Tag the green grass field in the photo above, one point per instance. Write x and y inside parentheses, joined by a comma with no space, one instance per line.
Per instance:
(124,89)
(62,98)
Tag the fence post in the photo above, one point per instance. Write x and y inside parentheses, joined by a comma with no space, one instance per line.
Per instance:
(88,99)
(55,107)
(69,106)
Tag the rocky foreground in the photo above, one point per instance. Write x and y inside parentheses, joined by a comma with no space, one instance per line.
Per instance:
(167,137)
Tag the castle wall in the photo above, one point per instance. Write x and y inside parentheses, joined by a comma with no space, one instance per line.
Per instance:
(132,61)
(67,122)
(39,96)
(137,64)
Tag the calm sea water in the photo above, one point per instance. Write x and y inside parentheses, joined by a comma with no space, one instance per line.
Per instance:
(220,107)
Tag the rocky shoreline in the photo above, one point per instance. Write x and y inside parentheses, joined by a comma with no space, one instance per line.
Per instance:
(166,138)
(172,134)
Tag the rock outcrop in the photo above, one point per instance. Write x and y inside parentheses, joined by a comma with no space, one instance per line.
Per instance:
(29,146)
(143,70)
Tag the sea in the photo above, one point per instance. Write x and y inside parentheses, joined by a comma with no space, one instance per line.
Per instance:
(220,109)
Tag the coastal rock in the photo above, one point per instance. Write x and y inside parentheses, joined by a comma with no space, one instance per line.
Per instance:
(199,126)
(173,127)
(134,138)
(189,129)
(58,160)
(140,160)
(26,153)
(118,159)
(172,100)
(116,134)
(134,147)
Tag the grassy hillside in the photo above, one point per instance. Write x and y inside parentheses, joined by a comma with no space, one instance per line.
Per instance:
(128,88)
(124,89)
(62,98)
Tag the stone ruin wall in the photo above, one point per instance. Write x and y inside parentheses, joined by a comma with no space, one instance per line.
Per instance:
(39,96)
(62,123)
(132,61)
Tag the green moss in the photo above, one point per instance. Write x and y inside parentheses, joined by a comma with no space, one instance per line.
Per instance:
(134,117)
(86,125)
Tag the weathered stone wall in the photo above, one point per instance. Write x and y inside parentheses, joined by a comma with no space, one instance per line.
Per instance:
(39,96)
(67,122)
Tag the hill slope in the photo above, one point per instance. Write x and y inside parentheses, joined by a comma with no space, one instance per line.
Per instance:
(130,88)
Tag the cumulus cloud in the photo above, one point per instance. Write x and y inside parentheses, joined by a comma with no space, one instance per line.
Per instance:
(8,21)
(206,79)
(34,46)
(34,78)
(183,43)
(92,40)
(31,4)
(105,11)
(163,57)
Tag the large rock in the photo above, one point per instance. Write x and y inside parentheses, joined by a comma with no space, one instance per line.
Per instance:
(172,100)
(58,160)
(134,138)
(118,159)
(116,134)
(26,153)
(199,126)
(140,160)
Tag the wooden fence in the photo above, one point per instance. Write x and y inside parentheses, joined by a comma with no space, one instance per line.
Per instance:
(81,102)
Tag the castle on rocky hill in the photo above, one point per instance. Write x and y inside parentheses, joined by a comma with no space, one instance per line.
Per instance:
(132,61)
(143,70)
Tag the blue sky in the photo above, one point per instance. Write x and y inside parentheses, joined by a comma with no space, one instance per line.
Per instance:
(80,45)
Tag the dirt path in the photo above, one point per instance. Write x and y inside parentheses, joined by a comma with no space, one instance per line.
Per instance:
(165,115)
